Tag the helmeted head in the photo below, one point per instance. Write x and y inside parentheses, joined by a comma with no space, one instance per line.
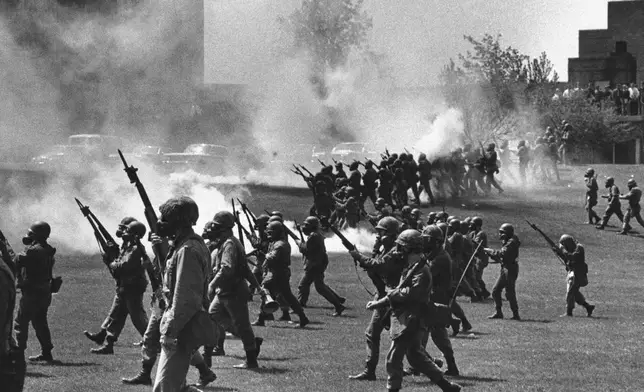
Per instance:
(415,213)
(454,226)
(387,230)
(261,222)
(354,165)
(491,147)
(328,169)
(631,183)
(380,202)
(310,225)
(431,218)
(422,157)
(465,225)
(443,227)
(135,230)
(610,181)
(521,143)
(368,164)
(123,225)
(275,218)
(177,213)
(477,223)
(338,166)
(506,231)
(277,213)
(590,172)
(275,231)
(410,241)
(38,232)
(568,242)
(406,211)
(450,218)
(220,227)
(433,237)
(441,216)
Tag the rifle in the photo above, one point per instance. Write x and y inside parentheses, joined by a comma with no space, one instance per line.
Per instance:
(161,249)
(345,242)
(106,243)
(252,221)
(299,228)
(322,163)
(307,171)
(387,152)
(240,229)
(550,242)
(407,151)
(464,272)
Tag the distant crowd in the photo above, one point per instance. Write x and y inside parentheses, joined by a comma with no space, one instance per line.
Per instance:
(627,99)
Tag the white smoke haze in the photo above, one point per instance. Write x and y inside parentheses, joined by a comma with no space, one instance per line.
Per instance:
(363,239)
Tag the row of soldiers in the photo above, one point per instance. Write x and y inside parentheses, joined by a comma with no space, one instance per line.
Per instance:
(614,207)
(340,197)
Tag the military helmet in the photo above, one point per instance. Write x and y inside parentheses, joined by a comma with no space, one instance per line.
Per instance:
(136,228)
(415,213)
(223,220)
(507,229)
(441,215)
(433,232)
(380,201)
(389,225)
(126,221)
(455,224)
(450,218)
(406,210)
(327,169)
(590,172)
(338,165)
(354,165)
(275,218)
(422,156)
(262,220)
(631,183)
(431,215)
(181,211)
(477,221)
(40,230)
(609,181)
(275,229)
(443,227)
(311,223)
(368,164)
(277,213)
(411,239)
(491,147)
(567,241)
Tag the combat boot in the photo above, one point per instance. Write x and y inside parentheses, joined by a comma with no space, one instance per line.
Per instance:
(466,326)
(205,378)
(452,369)
(258,345)
(447,386)
(143,378)
(269,317)
(218,350)
(260,321)
(515,316)
(106,349)
(45,356)
(497,315)
(98,338)
(304,321)
(285,316)
(456,326)
(366,375)
(338,311)
(589,310)
(251,361)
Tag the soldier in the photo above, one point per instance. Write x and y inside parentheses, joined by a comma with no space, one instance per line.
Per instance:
(440,266)
(553,155)
(614,205)
(129,272)
(339,171)
(262,245)
(524,159)
(323,203)
(491,167)
(507,256)
(385,185)
(370,183)
(441,217)
(415,221)
(633,196)
(34,268)
(315,262)
(504,157)
(411,177)
(478,236)
(575,258)
(408,319)
(399,190)
(12,359)
(355,177)
(540,155)
(277,272)
(184,291)
(228,288)
(424,177)
(384,268)
(431,218)
(457,166)
(591,196)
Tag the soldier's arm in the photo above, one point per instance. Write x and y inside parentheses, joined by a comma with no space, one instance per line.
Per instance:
(274,257)
(127,263)
(226,268)
(188,296)
(417,291)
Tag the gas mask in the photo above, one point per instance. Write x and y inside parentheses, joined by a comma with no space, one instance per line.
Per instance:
(165,229)
(307,230)
(120,230)
(27,240)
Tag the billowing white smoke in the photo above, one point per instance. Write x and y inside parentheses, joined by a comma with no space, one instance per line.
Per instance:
(443,135)
(110,197)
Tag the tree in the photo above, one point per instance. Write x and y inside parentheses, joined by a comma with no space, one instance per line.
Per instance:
(328,30)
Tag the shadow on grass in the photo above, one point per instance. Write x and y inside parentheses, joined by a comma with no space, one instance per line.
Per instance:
(270,370)
(37,375)
(222,389)
(543,321)
(477,378)
(296,328)
(72,364)
(263,358)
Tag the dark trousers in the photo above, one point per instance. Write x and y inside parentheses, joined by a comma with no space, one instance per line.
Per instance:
(232,313)
(33,308)
(410,344)
(126,302)
(441,340)
(491,181)
(632,212)
(374,330)
(507,280)
(610,210)
(315,276)
(424,186)
(280,286)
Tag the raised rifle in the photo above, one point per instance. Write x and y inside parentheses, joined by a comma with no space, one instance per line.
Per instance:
(334,161)
(160,249)
(345,242)
(387,152)
(240,228)
(107,245)
(322,163)
(306,170)
(464,272)
(251,222)
(550,242)
(299,228)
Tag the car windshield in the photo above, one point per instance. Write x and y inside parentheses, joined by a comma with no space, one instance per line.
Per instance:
(349,147)
(150,150)
(205,149)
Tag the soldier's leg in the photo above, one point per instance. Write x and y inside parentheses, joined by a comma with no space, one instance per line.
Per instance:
(115,322)
(41,325)
(570,293)
(285,290)
(510,290)
(149,350)
(326,292)
(500,284)
(304,287)
(441,340)
(421,361)
(26,312)
(638,217)
(414,189)
(395,356)
(134,304)
(620,215)
(607,214)
(373,332)
(172,369)
(626,227)
(478,271)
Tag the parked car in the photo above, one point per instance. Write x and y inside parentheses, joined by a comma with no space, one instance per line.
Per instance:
(207,158)
(347,152)
(61,154)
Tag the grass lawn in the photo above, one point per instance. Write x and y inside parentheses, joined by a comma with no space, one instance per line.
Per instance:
(541,353)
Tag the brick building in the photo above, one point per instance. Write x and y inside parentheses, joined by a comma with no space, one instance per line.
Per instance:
(614,55)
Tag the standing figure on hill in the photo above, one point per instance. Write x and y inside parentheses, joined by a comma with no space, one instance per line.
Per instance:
(507,256)
(424,176)
(575,258)
(633,196)
(553,156)
(524,159)
(34,269)
(491,167)
(614,205)
(591,196)
(128,270)
(504,157)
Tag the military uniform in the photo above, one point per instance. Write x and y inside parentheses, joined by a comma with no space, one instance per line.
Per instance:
(315,262)
(12,360)
(35,267)
(370,183)
(482,259)
(507,256)
(185,293)
(591,199)
(491,167)
(524,159)
(129,272)
(385,185)
(614,207)
(633,196)
(576,278)
(425,175)
(229,307)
